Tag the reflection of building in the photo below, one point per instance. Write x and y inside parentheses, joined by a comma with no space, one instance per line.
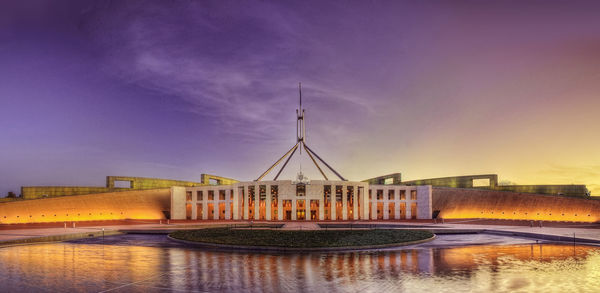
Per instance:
(287,200)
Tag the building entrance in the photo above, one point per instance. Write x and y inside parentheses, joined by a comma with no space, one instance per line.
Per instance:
(314,210)
(300,210)
(287,210)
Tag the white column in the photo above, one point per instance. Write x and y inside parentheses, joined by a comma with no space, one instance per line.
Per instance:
(194,206)
(321,208)
(205,206)
(227,204)
(236,203)
(367,207)
(397,203)
(386,207)
(333,203)
(257,202)
(355,201)
(268,202)
(294,208)
(408,203)
(246,208)
(362,203)
(374,204)
(344,202)
(279,208)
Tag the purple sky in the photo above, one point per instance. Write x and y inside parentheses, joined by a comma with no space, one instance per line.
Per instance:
(172,89)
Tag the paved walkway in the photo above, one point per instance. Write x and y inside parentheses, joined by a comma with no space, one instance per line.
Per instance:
(301,226)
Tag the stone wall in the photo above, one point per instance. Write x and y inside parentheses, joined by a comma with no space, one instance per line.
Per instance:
(492,184)
(135,183)
(136,204)
(205,179)
(34,192)
(568,190)
(455,181)
(459,203)
(149,183)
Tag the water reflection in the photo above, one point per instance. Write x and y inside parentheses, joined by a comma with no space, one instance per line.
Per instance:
(127,268)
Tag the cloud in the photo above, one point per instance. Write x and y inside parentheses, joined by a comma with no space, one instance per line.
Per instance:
(236,65)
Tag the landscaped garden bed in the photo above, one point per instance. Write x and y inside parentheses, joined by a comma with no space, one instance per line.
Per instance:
(303,239)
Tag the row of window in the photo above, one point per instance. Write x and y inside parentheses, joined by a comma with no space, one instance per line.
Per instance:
(210,195)
(301,191)
(392,194)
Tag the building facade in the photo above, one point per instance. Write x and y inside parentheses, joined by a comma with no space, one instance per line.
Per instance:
(285,200)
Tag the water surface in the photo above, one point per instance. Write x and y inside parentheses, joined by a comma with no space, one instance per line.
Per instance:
(151,263)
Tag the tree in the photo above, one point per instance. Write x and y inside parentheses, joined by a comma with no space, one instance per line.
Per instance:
(11,195)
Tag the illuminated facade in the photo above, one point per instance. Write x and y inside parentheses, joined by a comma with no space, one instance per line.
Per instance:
(316,200)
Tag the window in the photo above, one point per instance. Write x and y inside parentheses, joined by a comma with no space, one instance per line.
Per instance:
(391,194)
(370,195)
(123,184)
(350,196)
(199,195)
(481,182)
(231,194)
(380,194)
(327,192)
(188,196)
(251,195)
(402,194)
(413,195)
(338,193)
(300,189)
(262,192)
(221,194)
(274,194)
(211,195)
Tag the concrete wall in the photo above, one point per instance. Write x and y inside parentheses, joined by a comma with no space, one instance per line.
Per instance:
(456,181)
(205,179)
(568,190)
(33,192)
(8,199)
(467,182)
(136,183)
(424,201)
(137,204)
(396,178)
(178,196)
(456,203)
(148,183)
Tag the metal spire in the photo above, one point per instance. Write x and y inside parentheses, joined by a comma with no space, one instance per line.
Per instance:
(300,143)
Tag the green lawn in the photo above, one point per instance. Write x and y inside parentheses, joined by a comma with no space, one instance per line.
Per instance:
(301,239)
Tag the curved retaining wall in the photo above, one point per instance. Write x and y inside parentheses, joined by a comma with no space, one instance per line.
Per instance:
(138,204)
(458,203)
(453,203)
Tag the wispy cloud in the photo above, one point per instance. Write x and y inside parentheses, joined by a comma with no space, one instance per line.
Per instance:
(235,66)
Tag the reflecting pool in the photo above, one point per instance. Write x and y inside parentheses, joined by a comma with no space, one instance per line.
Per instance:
(146,263)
